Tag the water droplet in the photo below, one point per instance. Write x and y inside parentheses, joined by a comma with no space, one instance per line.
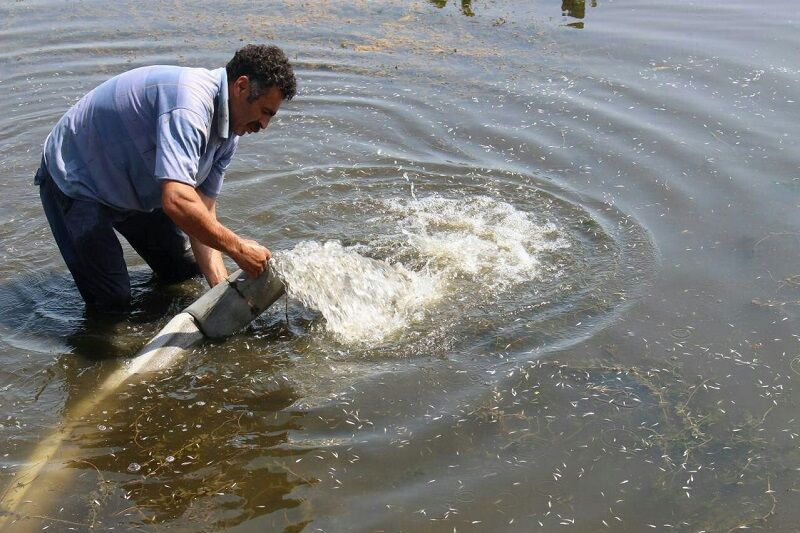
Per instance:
(134,467)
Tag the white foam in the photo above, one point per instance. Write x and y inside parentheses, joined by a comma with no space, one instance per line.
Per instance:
(361,299)
(485,242)
(476,236)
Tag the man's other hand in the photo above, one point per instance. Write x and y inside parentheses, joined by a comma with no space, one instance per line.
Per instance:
(252,257)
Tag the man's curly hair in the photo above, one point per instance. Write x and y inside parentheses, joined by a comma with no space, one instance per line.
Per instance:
(265,66)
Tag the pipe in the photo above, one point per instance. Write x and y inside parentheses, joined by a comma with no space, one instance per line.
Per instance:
(220,312)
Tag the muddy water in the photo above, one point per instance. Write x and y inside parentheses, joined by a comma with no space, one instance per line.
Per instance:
(544,261)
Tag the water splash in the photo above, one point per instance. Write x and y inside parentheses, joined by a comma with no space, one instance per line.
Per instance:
(475,236)
(362,299)
(430,248)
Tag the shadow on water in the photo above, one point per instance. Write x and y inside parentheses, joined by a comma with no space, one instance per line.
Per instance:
(43,312)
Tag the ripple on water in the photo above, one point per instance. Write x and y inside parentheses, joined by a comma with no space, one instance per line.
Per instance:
(405,261)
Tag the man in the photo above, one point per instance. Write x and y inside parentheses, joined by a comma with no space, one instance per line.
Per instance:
(145,153)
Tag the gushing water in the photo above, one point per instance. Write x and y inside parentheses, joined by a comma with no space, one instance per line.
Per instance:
(362,299)
(431,248)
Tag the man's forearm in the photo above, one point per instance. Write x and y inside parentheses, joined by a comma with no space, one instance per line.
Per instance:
(195,214)
(210,262)
(184,206)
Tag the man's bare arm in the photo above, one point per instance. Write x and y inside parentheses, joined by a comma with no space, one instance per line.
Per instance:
(208,259)
(183,204)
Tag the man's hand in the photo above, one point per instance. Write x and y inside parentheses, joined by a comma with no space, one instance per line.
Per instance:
(252,257)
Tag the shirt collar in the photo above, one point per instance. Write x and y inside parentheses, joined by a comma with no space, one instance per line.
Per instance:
(222,105)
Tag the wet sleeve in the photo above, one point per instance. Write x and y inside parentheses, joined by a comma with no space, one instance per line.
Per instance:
(212,185)
(180,140)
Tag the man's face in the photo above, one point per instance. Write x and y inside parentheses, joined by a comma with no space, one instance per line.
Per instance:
(250,117)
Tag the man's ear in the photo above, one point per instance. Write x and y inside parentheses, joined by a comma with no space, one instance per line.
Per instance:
(241,85)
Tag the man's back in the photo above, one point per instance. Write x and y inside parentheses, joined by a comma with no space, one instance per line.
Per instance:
(147,124)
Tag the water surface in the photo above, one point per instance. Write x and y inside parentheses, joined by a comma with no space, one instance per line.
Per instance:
(556,244)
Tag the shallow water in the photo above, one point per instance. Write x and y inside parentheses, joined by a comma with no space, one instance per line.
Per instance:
(563,240)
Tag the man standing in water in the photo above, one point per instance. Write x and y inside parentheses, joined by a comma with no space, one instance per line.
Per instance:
(145,154)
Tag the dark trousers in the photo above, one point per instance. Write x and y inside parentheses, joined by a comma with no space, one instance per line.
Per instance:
(84,232)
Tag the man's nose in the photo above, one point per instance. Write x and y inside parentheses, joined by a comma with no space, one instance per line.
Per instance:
(263,122)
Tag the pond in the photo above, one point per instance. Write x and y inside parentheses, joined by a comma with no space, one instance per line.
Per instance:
(542,261)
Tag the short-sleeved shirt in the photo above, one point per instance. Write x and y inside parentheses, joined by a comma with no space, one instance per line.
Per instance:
(146,125)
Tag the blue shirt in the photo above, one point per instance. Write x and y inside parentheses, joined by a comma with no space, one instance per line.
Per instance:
(146,125)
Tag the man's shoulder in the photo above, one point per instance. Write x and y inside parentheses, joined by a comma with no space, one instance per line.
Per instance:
(171,78)
(196,89)
(151,75)
(169,88)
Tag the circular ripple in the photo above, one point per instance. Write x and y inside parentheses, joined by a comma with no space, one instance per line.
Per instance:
(578,287)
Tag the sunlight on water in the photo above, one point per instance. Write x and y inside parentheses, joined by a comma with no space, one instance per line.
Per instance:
(438,246)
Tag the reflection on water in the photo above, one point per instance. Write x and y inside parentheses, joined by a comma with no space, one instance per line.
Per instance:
(466,6)
(569,8)
(575,9)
